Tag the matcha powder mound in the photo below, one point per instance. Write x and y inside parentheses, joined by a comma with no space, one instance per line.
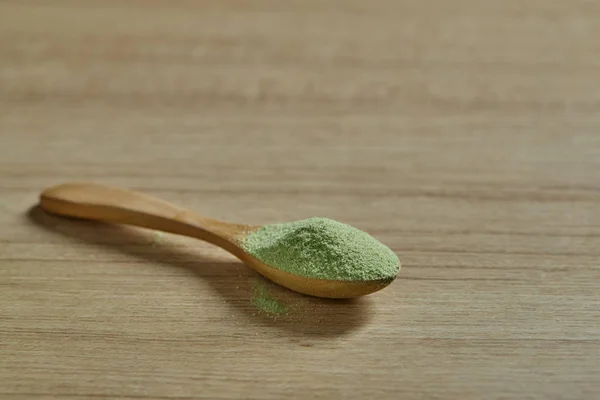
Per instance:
(324,249)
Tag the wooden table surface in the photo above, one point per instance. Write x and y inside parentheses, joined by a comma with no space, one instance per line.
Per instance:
(465,135)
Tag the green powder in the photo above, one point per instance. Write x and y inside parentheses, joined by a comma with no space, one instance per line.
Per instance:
(158,238)
(265,302)
(323,248)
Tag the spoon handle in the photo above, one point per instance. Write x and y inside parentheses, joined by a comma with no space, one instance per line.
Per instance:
(111,204)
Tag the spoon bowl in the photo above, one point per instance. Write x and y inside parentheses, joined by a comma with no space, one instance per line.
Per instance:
(110,204)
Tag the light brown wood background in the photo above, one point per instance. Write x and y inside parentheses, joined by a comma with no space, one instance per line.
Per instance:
(463,134)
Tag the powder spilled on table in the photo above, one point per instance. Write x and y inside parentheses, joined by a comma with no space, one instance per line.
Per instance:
(157,240)
(265,302)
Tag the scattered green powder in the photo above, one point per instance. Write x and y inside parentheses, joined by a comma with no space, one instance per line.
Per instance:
(265,302)
(158,238)
(323,248)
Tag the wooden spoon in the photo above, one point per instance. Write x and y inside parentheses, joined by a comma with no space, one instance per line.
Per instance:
(110,204)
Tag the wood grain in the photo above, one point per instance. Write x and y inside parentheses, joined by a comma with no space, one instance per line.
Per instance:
(463,134)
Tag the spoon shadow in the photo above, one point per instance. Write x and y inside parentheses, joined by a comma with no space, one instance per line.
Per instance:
(236,283)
